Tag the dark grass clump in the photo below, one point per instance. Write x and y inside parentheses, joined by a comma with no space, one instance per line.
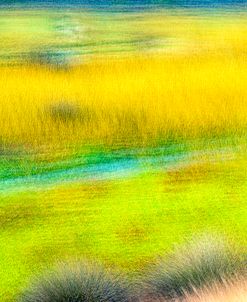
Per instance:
(64,111)
(195,265)
(81,282)
(52,58)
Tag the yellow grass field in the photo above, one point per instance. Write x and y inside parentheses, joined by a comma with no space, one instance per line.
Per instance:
(195,87)
(134,100)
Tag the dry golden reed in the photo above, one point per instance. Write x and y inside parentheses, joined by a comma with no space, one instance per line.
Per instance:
(134,99)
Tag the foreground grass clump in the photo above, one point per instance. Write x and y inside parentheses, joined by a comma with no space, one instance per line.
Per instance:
(196,265)
(230,291)
(82,282)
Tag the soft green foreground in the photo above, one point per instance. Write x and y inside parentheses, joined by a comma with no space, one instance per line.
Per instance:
(124,222)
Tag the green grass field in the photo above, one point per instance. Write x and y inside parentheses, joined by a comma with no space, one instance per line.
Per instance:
(125,221)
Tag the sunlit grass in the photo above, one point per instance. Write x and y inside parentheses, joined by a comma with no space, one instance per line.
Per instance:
(124,222)
(230,291)
(194,87)
(129,101)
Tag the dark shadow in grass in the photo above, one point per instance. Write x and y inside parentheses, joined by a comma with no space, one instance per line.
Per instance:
(198,264)
(126,123)
(69,112)
(52,58)
(182,177)
(132,233)
(194,172)
(19,215)
(10,149)
(64,111)
(78,282)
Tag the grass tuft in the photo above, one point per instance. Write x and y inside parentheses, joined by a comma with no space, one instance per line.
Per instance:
(196,265)
(231,291)
(81,282)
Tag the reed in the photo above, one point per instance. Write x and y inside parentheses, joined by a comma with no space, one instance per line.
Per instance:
(136,100)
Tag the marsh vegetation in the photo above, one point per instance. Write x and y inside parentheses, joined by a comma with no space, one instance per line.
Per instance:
(122,134)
